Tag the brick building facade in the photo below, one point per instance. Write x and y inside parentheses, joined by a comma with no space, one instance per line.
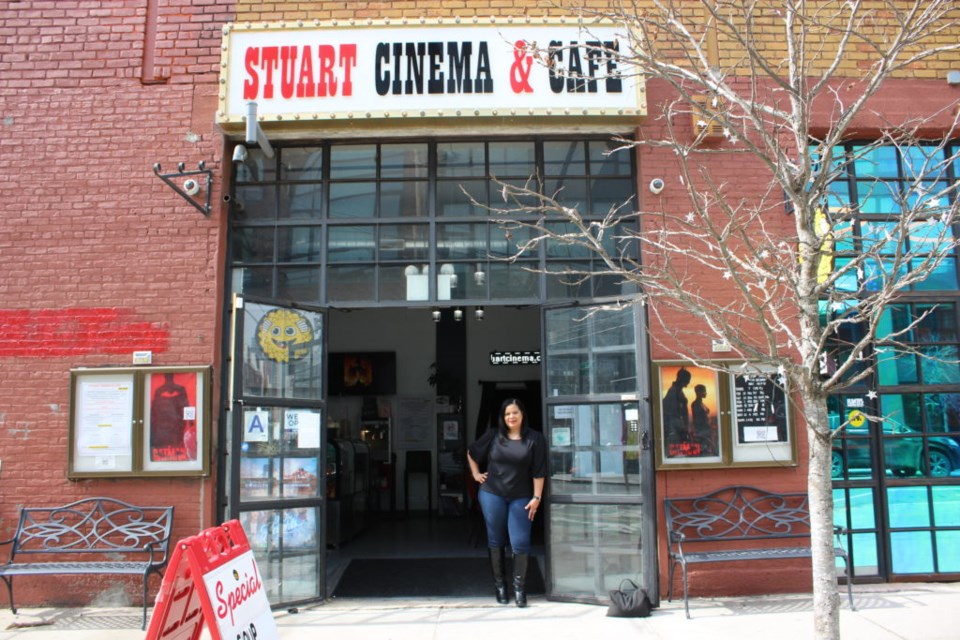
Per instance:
(99,258)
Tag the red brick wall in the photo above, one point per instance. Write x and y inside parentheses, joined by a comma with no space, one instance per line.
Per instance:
(98,257)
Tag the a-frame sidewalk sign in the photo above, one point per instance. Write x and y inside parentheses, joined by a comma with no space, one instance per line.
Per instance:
(213,579)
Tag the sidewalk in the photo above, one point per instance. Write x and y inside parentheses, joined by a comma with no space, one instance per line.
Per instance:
(926,611)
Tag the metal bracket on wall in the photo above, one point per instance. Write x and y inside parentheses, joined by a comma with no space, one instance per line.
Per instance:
(188,187)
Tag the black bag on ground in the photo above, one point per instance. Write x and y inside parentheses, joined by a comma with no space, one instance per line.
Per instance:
(631,602)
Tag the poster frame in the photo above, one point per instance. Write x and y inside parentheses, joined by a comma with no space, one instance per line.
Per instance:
(122,395)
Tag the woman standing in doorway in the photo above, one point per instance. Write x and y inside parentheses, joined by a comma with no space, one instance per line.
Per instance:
(514,462)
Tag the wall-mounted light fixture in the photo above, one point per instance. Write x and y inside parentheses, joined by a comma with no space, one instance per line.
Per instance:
(479,276)
(478,314)
(458,314)
(436,315)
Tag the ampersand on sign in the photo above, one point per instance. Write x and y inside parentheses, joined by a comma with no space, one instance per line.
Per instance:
(520,69)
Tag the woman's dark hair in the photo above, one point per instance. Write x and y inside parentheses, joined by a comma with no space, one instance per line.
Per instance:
(502,425)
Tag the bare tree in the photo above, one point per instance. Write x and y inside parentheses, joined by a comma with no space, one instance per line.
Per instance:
(785,272)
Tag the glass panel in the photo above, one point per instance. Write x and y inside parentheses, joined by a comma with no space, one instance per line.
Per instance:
(512,159)
(923,161)
(403,199)
(404,242)
(590,353)
(253,244)
(257,167)
(461,241)
(943,412)
(611,194)
(460,159)
(880,237)
(594,547)
(301,283)
(606,160)
(562,157)
(403,161)
(948,551)
(569,192)
(301,163)
(255,202)
(908,507)
(943,277)
(273,464)
(346,284)
(298,244)
(838,196)
(518,280)
(864,553)
(284,350)
(895,367)
(594,449)
(393,283)
(862,515)
(939,323)
(254,281)
(353,162)
(353,200)
(457,198)
(563,280)
(285,544)
(504,242)
(911,552)
(561,249)
(878,198)
(939,365)
(942,457)
(879,162)
(350,244)
(301,201)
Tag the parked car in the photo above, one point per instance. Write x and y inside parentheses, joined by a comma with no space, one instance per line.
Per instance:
(903,455)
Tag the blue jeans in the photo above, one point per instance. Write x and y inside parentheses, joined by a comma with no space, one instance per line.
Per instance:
(504,516)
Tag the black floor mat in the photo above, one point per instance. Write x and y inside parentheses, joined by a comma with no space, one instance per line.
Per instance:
(425,577)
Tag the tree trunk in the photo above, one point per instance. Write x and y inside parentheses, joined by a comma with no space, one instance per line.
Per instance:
(826,599)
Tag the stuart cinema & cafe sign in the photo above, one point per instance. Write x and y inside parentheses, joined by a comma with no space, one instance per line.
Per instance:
(445,69)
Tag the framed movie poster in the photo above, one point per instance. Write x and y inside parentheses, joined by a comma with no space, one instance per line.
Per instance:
(686,415)
(175,421)
(762,431)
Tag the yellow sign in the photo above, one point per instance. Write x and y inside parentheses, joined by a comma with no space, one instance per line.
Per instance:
(856,418)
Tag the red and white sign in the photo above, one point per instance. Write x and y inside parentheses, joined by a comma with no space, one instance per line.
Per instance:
(380,70)
(240,605)
(213,580)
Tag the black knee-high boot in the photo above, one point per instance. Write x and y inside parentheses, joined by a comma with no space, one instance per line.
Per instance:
(498,564)
(520,561)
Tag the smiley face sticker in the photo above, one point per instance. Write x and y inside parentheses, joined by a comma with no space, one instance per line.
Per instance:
(284,335)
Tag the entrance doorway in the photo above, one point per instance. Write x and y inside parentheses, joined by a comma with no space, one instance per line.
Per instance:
(440,389)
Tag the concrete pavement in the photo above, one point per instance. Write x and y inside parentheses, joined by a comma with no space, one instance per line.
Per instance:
(916,611)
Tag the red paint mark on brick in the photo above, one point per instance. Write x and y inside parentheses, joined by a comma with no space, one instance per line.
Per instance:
(55,333)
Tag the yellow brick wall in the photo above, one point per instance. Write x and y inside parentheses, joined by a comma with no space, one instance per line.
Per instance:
(766,17)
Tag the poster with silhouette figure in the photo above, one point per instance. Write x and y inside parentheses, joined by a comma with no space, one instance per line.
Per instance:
(174,420)
(688,410)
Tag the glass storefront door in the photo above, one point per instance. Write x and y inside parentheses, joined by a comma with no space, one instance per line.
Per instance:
(276,468)
(601,526)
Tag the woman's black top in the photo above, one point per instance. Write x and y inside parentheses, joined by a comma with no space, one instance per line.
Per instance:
(511,465)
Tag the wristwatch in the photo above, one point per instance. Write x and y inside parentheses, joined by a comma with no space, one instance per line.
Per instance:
(537,498)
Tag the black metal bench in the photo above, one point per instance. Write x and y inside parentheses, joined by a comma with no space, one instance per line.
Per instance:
(99,535)
(728,522)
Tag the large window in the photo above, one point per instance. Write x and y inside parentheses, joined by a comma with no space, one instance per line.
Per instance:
(897,475)
(410,222)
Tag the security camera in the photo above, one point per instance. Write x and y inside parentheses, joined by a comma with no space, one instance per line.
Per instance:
(191,187)
(656,185)
(239,153)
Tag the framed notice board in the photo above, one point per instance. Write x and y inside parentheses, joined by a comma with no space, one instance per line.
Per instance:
(139,421)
